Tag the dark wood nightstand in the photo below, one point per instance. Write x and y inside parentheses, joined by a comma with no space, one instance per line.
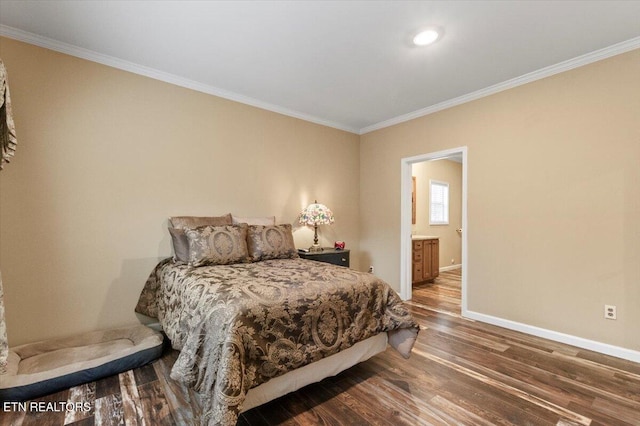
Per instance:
(328,255)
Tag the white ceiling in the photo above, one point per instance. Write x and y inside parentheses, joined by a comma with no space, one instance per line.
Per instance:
(346,64)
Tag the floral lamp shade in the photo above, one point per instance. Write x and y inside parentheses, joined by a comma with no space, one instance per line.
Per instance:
(316,214)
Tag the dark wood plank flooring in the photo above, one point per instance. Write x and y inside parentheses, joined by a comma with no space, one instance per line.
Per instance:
(461,373)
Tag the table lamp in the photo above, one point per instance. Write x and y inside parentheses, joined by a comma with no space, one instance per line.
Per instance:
(315,214)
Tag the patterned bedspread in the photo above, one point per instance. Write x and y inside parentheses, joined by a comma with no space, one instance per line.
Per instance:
(237,326)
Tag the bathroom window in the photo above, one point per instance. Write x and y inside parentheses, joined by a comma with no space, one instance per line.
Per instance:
(438,203)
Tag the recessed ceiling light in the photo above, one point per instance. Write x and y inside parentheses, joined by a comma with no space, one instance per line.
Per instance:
(426,37)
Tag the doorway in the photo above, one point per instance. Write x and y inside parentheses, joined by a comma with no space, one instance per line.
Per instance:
(406,220)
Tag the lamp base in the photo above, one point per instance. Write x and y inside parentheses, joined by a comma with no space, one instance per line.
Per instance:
(315,248)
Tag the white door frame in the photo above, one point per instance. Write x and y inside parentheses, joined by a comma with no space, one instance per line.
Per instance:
(405,219)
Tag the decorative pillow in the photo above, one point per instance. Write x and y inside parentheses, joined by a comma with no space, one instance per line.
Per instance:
(265,221)
(217,245)
(180,245)
(179,223)
(271,242)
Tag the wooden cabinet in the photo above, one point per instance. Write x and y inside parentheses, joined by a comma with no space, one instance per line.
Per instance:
(426,264)
(328,255)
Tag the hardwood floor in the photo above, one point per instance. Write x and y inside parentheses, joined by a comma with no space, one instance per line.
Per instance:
(441,295)
(460,372)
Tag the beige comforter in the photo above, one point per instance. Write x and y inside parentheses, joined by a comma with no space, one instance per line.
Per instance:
(237,326)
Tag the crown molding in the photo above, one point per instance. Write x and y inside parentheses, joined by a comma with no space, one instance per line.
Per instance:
(79,52)
(560,67)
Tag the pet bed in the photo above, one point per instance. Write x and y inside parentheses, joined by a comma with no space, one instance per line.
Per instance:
(41,368)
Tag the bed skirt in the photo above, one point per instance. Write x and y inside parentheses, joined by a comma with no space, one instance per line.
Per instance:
(314,372)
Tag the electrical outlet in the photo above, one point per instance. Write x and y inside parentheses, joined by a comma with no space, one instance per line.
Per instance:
(453,261)
(610,312)
(371,269)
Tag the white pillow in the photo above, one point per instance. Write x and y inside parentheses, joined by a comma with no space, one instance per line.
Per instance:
(263,221)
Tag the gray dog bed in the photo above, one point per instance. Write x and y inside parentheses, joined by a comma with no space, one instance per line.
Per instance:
(41,368)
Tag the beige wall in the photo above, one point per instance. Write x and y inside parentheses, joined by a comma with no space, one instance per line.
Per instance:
(105,156)
(450,244)
(553,198)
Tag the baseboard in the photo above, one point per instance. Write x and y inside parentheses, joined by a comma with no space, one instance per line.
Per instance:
(448,268)
(568,339)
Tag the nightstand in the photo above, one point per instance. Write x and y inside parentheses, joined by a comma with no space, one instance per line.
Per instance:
(328,255)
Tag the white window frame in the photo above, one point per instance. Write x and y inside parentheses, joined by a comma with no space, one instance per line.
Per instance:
(435,203)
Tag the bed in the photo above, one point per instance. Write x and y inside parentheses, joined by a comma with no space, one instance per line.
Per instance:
(252,330)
